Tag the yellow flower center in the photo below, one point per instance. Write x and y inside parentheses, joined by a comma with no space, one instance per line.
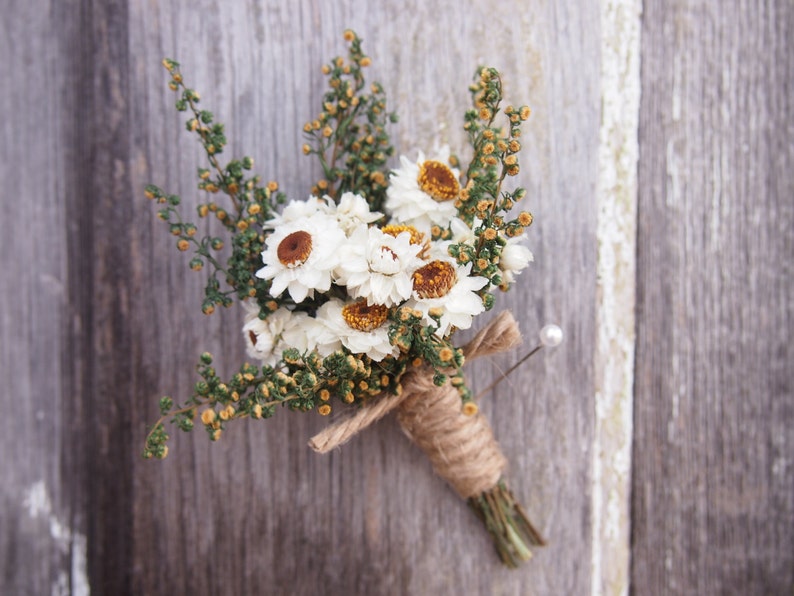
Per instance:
(434,280)
(295,248)
(362,317)
(437,180)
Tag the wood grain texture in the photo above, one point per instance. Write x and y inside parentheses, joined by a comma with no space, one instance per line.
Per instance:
(713,488)
(42,544)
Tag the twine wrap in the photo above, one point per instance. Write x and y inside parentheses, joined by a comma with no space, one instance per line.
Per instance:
(461,448)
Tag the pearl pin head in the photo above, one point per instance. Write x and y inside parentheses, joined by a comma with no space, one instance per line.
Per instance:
(551,336)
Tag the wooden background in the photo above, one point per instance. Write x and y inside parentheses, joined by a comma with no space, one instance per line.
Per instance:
(101,316)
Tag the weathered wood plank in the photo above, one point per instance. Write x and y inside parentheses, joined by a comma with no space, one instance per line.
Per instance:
(259,512)
(713,489)
(42,543)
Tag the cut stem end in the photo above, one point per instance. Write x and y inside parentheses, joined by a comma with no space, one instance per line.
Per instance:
(507,523)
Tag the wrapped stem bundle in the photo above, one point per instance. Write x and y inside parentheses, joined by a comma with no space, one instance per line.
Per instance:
(461,448)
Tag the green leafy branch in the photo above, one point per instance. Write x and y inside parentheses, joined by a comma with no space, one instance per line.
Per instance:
(349,136)
(482,201)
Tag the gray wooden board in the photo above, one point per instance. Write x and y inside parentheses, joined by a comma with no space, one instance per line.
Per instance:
(713,488)
(42,543)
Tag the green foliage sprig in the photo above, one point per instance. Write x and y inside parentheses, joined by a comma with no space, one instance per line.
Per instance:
(482,199)
(350,136)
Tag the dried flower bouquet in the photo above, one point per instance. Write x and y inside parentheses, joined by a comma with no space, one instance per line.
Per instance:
(353,296)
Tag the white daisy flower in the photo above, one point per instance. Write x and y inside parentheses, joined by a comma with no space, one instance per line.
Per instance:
(423,193)
(353,212)
(447,287)
(300,256)
(300,210)
(360,328)
(266,340)
(462,233)
(514,259)
(378,266)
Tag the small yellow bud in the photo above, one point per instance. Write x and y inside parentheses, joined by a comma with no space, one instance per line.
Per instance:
(525,112)
(436,311)
(349,35)
(445,354)
(324,394)
(489,234)
(254,208)
(208,416)
(328,131)
(183,244)
(272,186)
(306,149)
(365,61)
(324,410)
(525,218)
(470,408)
(256,411)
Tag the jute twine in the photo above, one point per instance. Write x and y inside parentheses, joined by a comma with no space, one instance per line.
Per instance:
(461,448)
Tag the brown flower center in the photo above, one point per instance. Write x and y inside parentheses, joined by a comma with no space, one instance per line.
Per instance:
(434,280)
(252,337)
(358,315)
(295,248)
(437,180)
